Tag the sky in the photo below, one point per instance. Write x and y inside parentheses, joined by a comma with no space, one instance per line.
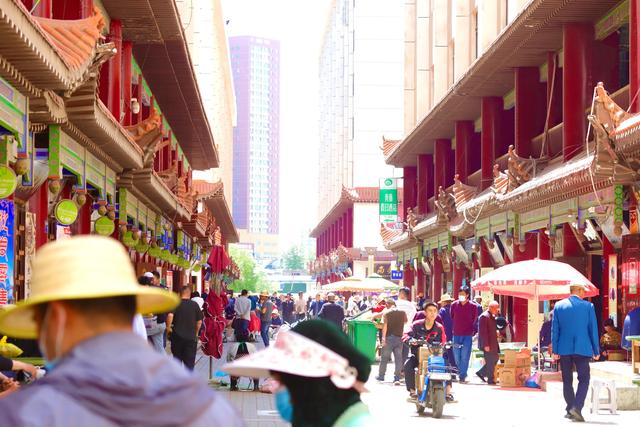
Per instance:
(299,25)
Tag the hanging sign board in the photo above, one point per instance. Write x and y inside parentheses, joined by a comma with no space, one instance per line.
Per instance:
(104,226)
(7,236)
(8,182)
(388,199)
(66,212)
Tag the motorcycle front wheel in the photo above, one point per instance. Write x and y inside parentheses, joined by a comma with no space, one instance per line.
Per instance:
(437,400)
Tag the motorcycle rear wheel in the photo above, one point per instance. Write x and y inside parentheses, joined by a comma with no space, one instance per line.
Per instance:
(437,401)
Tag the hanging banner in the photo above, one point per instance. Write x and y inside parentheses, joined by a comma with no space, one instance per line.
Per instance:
(7,236)
(388,199)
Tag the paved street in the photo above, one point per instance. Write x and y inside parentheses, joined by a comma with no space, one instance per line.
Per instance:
(476,403)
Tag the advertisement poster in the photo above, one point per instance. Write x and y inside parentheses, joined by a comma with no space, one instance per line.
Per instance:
(7,236)
(613,288)
(388,199)
(29,251)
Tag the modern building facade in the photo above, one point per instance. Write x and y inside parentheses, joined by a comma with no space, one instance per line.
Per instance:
(361,104)
(255,64)
(500,161)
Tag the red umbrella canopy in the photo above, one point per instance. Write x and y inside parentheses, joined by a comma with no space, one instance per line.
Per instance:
(534,279)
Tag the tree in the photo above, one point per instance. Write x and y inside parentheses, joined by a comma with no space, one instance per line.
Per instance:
(293,259)
(250,278)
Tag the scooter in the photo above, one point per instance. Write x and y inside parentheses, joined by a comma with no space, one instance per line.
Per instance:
(437,375)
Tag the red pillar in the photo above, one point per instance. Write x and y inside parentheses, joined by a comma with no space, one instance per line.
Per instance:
(138,118)
(425,179)
(464,136)
(634,55)
(350,225)
(459,272)
(39,205)
(491,110)
(545,251)
(442,176)
(126,64)
(530,109)
(520,305)
(86,8)
(485,257)
(115,71)
(409,188)
(421,279)
(577,40)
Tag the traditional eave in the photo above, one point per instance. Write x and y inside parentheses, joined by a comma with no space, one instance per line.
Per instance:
(524,43)
(92,117)
(348,197)
(51,54)
(160,46)
(147,182)
(212,195)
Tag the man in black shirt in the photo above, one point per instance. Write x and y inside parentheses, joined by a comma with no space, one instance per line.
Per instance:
(332,312)
(184,324)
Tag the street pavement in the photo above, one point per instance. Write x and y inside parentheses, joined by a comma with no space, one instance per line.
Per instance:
(476,403)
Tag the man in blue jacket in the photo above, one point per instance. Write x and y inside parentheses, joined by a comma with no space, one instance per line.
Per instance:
(574,338)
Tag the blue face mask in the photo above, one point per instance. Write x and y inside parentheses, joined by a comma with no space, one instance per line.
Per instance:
(283,404)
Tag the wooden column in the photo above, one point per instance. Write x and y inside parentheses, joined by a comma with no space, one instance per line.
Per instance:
(464,137)
(634,56)
(409,188)
(520,319)
(115,71)
(530,109)
(491,111)
(127,57)
(425,182)
(443,175)
(577,45)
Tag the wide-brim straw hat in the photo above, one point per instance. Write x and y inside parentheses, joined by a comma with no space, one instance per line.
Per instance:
(82,267)
(445,298)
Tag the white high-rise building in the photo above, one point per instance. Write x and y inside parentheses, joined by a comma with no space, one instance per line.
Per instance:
(361,94)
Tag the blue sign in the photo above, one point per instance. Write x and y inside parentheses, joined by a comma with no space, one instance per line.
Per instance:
(7,236)
(396,275)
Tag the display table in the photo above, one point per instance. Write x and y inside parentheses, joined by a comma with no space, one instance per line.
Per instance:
(635,353)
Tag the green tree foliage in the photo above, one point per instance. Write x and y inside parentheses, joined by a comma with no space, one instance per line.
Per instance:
(251,278)
(293,259)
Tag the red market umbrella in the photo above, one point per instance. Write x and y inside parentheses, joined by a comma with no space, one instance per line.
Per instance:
(534,279)
(218,260)
(213,324)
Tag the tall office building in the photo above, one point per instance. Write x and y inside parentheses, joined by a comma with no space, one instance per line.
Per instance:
(255,65)
(361,95)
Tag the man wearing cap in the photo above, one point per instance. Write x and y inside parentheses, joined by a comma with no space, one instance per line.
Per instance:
(488,342)
(574,340)
(99,372)
(445,315)
(332,312)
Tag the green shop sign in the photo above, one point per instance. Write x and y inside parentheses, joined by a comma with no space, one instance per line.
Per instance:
(8,181)
(66,212)
(388,200)
(104,226)
(127,239)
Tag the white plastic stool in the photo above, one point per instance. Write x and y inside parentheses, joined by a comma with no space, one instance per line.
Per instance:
(607,403)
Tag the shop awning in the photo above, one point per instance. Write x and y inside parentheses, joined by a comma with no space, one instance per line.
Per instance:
(212,195)
(148,186)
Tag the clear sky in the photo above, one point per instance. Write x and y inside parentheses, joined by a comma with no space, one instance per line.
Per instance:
(299,25)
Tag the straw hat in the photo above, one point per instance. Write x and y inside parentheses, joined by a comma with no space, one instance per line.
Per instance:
(445,298)
(82,267)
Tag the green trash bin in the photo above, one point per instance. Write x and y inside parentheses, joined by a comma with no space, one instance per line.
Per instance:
(363,335)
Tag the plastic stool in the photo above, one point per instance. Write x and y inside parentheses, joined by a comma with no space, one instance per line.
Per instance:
(607,403)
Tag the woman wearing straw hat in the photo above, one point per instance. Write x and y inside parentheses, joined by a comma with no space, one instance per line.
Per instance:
(84,295)
(321,375)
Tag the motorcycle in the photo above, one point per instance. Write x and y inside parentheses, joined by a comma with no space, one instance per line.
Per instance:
(433,378)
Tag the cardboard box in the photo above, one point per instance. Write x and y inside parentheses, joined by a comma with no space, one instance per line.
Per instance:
(517,359)
(513,377)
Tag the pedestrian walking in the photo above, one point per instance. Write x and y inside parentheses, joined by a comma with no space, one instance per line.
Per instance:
(321,375)
(184,324)
(405,304)
(265,311)
(574,340)
(99,372)
(488,342)
(242,308)
(301,307)
(315,307)
(392,332)
(463,315)
(332,312)
(287,309)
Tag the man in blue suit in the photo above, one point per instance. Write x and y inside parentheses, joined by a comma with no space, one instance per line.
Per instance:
(574,339)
